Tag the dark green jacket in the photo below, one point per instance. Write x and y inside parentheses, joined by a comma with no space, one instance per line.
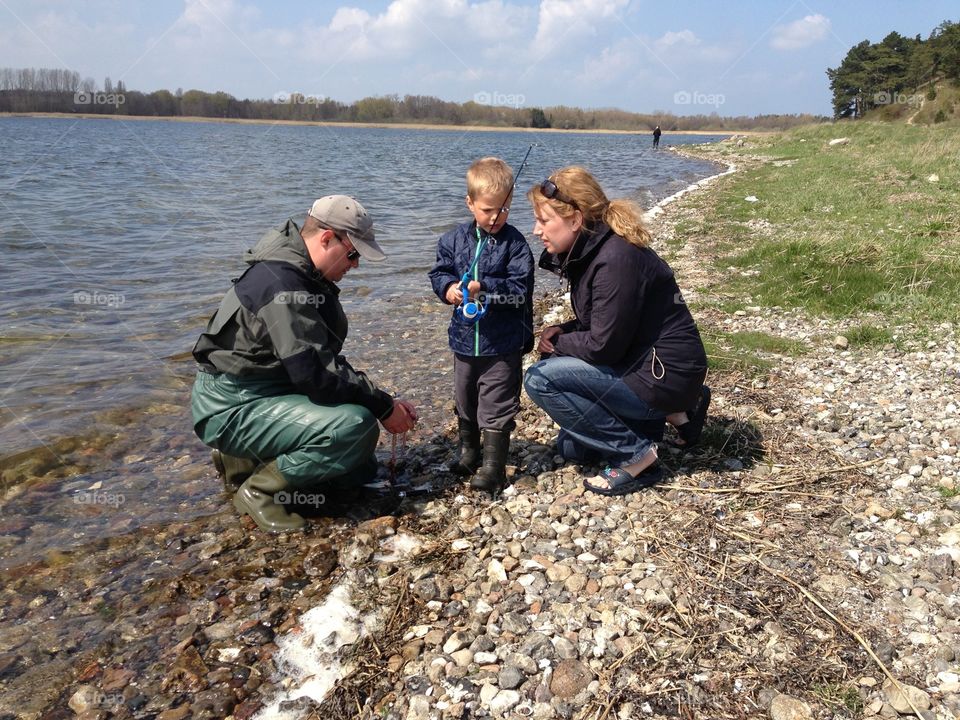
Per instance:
(281,320)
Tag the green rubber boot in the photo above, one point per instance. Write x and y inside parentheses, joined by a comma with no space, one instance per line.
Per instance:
(261,497)
(232,470)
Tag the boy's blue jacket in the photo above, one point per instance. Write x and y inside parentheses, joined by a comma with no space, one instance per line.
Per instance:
(505,272)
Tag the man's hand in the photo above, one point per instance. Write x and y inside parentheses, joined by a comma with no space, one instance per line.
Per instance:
(403,417)
(546,338)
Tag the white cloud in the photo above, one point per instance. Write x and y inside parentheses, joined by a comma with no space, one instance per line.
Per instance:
(614,65)
(800,33)
(562,21)
(671,39)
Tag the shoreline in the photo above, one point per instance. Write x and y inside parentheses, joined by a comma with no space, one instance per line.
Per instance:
(397,126)
(728,591)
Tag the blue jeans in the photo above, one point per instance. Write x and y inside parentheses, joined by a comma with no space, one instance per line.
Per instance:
(600,417)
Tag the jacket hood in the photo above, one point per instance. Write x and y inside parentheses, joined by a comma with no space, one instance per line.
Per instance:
(281,244)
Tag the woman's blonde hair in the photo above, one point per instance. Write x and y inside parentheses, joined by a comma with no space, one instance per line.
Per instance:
(577,185)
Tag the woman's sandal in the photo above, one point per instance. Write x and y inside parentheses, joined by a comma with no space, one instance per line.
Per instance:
(691,430)
(623,483)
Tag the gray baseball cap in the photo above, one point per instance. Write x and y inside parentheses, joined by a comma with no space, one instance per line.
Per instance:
(342,212)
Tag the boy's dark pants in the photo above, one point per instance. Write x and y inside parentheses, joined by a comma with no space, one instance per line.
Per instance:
(488,389)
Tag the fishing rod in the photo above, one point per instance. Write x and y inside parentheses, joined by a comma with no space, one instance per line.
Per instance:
(473,310)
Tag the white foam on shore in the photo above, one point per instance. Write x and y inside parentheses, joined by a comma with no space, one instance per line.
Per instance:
(399,547)
(307,655)
(658,208)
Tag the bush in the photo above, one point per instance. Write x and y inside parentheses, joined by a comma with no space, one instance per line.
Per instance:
(932,94)
(940,117)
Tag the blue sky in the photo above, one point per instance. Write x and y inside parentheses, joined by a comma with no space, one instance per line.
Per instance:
(739,57)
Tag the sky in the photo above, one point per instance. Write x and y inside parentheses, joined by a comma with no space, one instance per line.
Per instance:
(738,57)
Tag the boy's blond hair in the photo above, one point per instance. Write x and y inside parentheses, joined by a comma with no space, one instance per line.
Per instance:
(489,176)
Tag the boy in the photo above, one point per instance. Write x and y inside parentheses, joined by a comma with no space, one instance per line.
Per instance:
(487,347)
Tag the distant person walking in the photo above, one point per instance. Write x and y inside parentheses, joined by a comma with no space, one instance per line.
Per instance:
(656,136)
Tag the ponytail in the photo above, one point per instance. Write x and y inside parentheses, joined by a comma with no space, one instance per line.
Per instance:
(624,218)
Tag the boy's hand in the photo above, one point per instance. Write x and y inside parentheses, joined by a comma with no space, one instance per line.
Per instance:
(473,287)
(454,296)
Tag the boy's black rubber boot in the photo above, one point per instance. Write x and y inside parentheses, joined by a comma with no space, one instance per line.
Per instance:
(492,475)
(469,459)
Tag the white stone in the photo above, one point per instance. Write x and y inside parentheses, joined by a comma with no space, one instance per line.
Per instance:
(495,571)
(488,692)
(504,702)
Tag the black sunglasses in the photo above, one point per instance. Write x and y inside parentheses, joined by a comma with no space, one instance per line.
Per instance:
(351,254)
(552,192)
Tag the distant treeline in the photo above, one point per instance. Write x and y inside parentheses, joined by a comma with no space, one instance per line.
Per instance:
(63,91)
(873,75)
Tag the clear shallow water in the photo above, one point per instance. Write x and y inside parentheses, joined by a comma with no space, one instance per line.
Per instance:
(119,238)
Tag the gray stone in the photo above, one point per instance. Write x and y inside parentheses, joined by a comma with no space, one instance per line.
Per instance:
(784,707)
(419,708)
(569,678)
(538,647)
(903,699)
(510,677)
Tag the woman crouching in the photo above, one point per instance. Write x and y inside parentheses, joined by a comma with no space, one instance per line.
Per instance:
(632,358)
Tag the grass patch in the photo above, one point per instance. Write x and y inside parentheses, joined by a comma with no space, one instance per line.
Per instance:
(861,227)
(747,352)
(868,336)
(948,492)
(843,699)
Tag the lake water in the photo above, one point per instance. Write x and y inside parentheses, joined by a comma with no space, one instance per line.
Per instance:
(120,237)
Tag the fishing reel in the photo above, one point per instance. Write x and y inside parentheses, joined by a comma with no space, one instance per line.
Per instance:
(470,310)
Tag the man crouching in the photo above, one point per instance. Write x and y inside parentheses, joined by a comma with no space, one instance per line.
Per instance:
(283,409)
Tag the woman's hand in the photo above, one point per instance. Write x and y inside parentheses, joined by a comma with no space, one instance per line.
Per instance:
(546,339)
